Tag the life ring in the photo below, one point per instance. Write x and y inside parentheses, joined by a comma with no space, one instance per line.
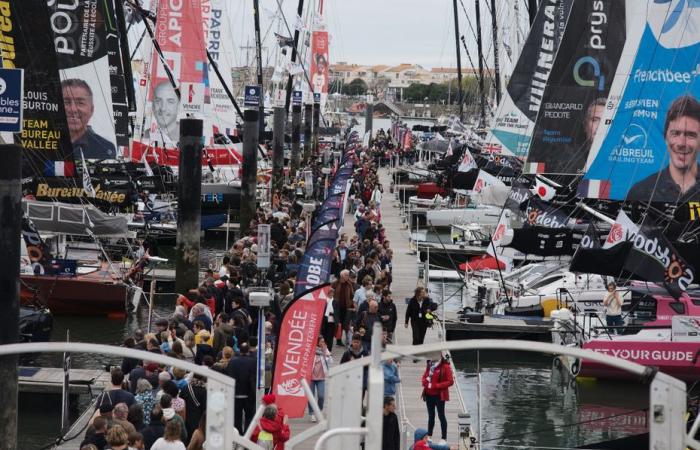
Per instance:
(34,253)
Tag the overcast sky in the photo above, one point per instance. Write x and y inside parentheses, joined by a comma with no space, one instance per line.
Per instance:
(384,31)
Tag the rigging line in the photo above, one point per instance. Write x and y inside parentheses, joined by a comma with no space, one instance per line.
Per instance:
(138,45)
(471,27)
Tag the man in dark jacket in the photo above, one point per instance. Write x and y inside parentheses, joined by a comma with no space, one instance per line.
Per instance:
(391,436)
(388,314)
(155,429)
(243,370)
(418,307)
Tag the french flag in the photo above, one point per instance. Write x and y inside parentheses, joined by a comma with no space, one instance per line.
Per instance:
(594,189)
(59,169)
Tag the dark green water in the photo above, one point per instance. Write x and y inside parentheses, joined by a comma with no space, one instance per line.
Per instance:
(524,403)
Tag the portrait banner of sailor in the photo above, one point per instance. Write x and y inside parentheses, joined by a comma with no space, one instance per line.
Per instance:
(646,148)
(80,41)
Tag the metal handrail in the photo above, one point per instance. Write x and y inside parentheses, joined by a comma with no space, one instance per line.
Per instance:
(335,432)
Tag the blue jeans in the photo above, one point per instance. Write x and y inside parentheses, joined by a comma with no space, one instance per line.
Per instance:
(615,321)
(319,388)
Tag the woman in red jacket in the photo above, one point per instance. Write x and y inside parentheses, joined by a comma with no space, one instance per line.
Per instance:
(437,380)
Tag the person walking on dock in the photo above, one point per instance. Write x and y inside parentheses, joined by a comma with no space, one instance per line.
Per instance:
(418,307)
(243,369)
(319,371)
(391,435)
(388,313)
(116,394)
(437,380)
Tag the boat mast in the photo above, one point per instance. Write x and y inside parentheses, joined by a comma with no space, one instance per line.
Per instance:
(300,11)
(532,9)
(482,90)
(460,99)
(496,67)
(258,57)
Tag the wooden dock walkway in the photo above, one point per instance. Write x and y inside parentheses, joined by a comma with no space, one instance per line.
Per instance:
(49,380)
(412,410)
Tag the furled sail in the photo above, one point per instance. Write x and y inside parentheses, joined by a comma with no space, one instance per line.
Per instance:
(518,110)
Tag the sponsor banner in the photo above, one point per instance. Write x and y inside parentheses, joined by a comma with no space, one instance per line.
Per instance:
(319,66)
(217,33)
(641,253)
(543,241)
(44,135)
(296,347)
(521,102)
(263,246)
(120,108)
(574,100)
(79,32)
(519,194)
(485,179)
(636,156)
(66,191)
(180,33)
(656,353)
(11,96)
(538,213)
(590,239)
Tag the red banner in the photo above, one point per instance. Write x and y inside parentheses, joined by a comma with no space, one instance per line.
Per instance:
(180,34)
(319,62)
(296,348)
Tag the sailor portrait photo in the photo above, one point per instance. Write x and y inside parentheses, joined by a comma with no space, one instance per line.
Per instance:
(80,107)
(678,181)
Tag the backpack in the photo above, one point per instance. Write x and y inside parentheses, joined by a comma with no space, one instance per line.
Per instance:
(266,440)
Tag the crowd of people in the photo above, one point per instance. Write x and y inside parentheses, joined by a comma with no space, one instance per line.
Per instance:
(155,407)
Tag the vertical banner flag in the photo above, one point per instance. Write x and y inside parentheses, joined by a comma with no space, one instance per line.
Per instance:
(120,108)
(578,86)
(521,101)
(79,32)
(180,33)
(639,156)
(301,320)
(263,246)
(44,136)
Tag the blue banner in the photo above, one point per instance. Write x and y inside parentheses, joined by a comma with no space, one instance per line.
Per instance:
(651,148)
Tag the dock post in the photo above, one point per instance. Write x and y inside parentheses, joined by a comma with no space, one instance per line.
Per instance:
(317,125)
(278,126)
(369,117)
(296,131)
(250,169)
(10,232)
(189,198)
(308,113)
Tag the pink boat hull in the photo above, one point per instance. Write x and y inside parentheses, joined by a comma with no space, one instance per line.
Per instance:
(678,359)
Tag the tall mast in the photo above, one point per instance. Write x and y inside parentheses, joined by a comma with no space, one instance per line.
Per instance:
(496,65)
(482,90)
(258,54)
(300,11)
(460,100)
(532,9)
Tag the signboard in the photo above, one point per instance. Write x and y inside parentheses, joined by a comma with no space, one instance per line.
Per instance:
(309,183)
(280,98)
(11,94)
(263,246)
(296,98)
(252,96)
(317,97)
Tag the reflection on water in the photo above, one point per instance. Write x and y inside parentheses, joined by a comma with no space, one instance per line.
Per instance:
(525,403)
